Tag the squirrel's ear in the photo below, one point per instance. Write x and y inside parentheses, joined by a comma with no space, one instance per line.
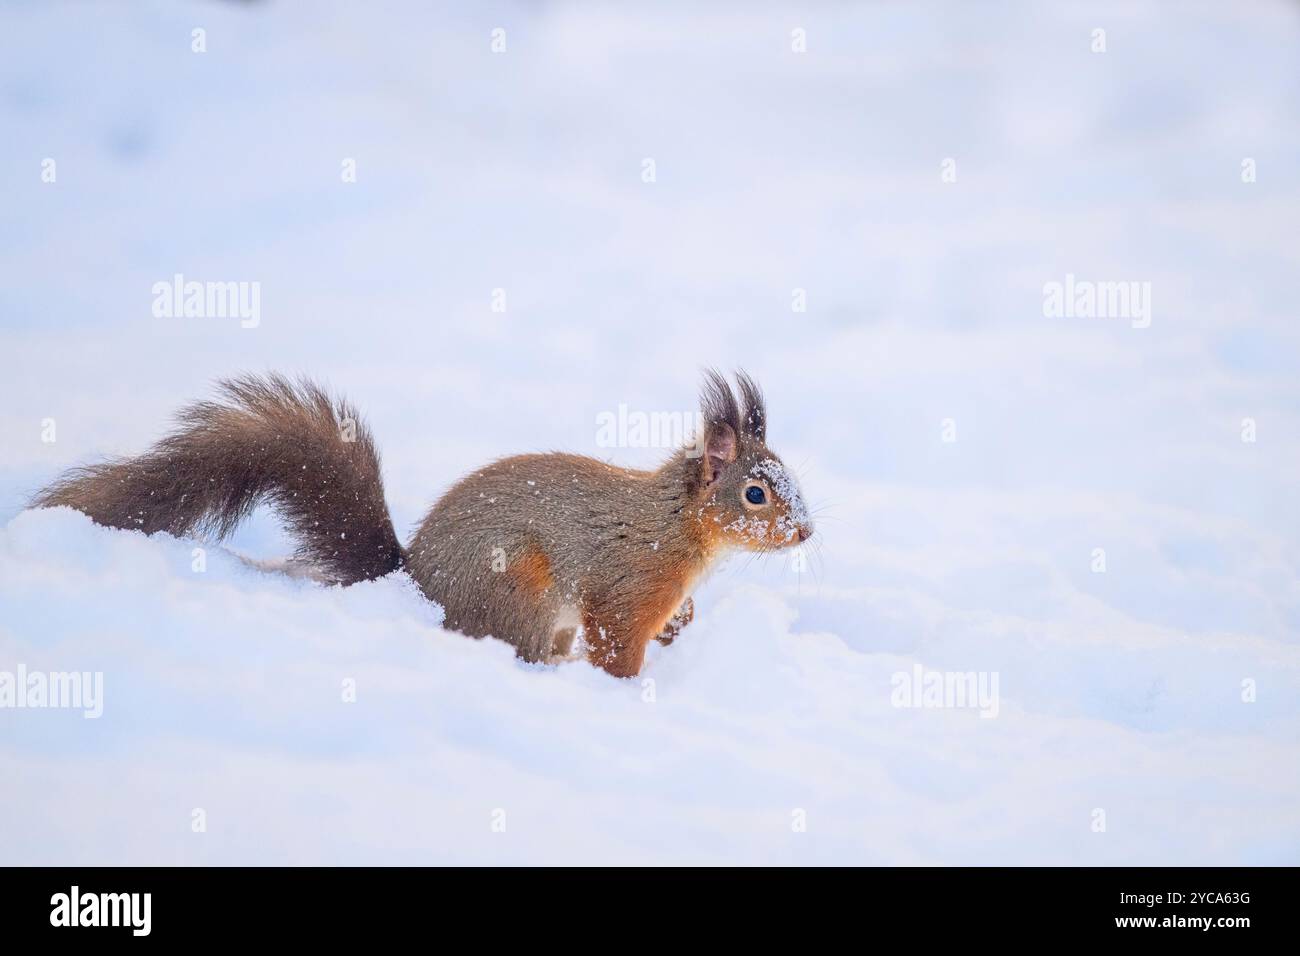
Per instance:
(721,417)
(719,450)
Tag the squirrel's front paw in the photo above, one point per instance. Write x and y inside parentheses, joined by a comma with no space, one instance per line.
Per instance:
(685,614)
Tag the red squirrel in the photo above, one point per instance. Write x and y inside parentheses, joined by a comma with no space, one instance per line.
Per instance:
(531,549)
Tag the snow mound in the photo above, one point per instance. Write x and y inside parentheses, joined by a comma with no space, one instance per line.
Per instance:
(749,740)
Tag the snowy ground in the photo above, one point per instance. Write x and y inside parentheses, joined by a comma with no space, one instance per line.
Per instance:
(1164,692)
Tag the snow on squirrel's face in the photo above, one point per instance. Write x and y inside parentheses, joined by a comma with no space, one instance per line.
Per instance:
(756,504)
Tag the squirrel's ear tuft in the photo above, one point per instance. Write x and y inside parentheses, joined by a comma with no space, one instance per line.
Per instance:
(721,416)
(718,403)
(754,412)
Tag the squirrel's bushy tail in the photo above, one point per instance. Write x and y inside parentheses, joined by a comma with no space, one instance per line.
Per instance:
(268,440)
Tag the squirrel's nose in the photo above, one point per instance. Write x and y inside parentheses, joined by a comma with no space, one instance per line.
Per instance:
(805,532)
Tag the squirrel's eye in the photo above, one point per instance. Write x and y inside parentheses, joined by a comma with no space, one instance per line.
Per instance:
(755,495)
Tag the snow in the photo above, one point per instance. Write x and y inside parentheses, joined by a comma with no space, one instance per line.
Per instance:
(223,691)
(1063,509)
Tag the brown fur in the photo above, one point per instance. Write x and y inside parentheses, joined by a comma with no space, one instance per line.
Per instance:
(268,441)
(526,549)
(623,547)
